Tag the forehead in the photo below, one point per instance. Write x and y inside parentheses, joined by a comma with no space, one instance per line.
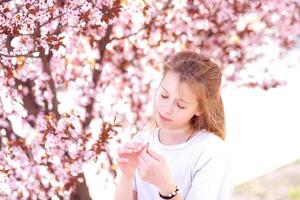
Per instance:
(178,89)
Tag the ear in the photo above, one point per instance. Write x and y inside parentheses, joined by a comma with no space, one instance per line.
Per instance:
(198,113)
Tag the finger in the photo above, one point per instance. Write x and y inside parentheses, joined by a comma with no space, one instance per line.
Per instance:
(142,162)
(148,158)
(125,151)
(122,160)
(139,170)
(142,159)
(154,155)
(135,146)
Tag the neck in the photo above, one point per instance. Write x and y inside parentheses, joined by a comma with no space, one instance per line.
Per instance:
(174,136)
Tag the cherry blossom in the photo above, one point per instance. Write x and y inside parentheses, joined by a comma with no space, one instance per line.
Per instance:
(77,77)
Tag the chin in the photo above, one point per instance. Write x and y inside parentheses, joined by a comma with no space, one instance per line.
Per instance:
(158,121)
(164,125)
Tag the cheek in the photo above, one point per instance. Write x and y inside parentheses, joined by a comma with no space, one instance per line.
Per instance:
(157,103)
(186,114)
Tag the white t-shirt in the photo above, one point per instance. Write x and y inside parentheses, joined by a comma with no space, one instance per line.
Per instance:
(199,167)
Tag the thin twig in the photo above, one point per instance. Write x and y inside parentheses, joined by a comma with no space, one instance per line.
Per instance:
(28,55)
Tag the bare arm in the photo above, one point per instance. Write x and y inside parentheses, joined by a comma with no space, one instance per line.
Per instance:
(124,189)
(127,162)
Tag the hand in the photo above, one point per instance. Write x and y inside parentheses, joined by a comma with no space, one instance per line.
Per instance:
(153,168)
(127,159)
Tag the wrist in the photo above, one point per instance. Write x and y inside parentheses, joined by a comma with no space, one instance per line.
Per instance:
(127,176)
(166,189)
(124,176)
(170,195)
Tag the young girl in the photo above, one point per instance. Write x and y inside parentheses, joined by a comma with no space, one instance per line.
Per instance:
(182,157)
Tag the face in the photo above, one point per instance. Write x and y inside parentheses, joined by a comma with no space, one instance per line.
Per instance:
(175,103)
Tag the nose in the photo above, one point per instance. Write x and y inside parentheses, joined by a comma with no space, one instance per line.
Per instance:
(168,108)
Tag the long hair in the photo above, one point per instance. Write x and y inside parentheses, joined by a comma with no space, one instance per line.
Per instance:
(204,77)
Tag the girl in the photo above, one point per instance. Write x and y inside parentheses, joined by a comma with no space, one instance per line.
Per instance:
(182,157)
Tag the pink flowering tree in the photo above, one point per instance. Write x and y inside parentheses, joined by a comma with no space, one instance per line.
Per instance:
(105,55)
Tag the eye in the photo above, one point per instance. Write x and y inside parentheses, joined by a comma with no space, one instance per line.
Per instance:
(180,106)
(164,96)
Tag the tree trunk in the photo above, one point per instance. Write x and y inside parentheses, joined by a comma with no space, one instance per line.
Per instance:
(81,192)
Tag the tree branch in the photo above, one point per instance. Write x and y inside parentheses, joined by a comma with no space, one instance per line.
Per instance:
(46,68)
(27,55)
(82,191)
(96,73)
(129,35)
(146,25)
(4,1)
(59,16)
(29,99)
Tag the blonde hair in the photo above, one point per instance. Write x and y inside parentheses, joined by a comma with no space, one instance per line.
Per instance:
(204,76)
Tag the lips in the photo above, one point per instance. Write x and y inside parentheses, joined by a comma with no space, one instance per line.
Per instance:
(164,118)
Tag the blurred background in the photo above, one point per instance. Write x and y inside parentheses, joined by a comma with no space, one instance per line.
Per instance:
(78,80)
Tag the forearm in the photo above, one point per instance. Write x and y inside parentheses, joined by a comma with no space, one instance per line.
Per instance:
(168,188)
(124,189)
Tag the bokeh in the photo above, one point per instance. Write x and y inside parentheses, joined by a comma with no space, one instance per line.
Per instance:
(77,80)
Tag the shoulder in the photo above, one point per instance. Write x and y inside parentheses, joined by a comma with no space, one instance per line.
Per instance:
(211,175)
(209,148)
(211,144)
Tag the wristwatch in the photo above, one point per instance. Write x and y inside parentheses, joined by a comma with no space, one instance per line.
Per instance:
(171,195)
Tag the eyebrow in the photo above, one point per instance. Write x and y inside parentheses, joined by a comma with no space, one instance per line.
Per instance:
(179,98)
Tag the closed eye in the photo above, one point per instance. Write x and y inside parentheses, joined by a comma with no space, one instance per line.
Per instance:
(164,97)
(180,107)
